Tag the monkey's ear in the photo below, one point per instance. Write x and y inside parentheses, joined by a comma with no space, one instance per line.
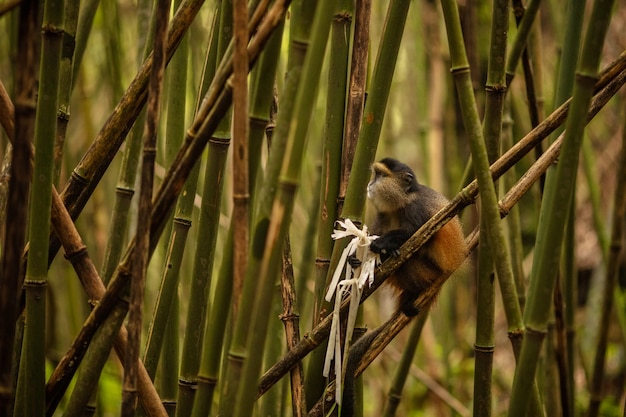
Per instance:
(409,179)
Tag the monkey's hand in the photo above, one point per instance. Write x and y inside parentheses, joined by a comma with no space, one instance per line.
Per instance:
(354,261)
(389,244)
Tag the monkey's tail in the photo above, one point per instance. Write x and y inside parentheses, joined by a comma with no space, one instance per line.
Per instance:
(357,351)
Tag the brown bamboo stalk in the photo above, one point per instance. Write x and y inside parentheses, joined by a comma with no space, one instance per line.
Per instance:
(19,190)
(241,194)
(356,93)
(291,320)
(76,253)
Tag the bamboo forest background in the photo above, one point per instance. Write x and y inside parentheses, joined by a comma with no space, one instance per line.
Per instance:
(177,219)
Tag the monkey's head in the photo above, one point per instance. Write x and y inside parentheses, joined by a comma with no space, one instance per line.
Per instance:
(393,185)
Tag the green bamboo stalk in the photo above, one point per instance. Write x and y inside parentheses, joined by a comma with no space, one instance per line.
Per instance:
(272,403)
(402,371)
(140,260)
(564,85)
(521,39)
(611,252)
(331,177)
(484,344)
(281,212)
(93,362)
(106,145)
(485,306)
(460,71)
(35,282)
(212,356)
(489,208)
(215,327)
(174,132)
(85,21)
(65,82)
(513,222)
(202,270)
(164,198)
(125,188)
(559,188)
(113,40)
(368,137)
(208,223)
(169,366)
(19,190)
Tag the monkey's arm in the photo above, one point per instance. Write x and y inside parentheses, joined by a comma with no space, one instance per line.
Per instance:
(389,243)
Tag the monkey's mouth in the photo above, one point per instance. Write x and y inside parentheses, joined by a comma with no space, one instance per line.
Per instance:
(369,190)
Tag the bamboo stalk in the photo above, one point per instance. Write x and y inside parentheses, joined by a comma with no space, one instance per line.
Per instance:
(480,160)
(204,256)
(610,283)
(564,84)
(65,82)
(282,208)
(35,282)
(166,309)
(559,188)
(210,363)
(290,317)
(95,290)
(139,263)
(495,90)
(333,171)
(241,175)
(19,126)
(214,338)
(125,188)
(404,365)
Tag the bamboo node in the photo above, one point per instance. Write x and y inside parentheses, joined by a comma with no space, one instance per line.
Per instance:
(460,70)
(35,283)
(125,191)
(588,80)
(239,197)
(75,255)
(483,349)
(188,383)
(322,261)
(206,380)
(219,141)
(289,317)
(182,222)
(79,178)
(51,29)
(343,17)
(496,88)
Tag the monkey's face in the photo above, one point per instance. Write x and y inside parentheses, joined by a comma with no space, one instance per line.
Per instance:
(389,190)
